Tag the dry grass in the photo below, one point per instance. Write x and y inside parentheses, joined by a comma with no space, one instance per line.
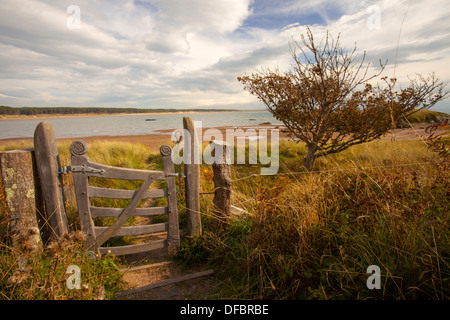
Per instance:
(313,235)
(27,274)
(308,235)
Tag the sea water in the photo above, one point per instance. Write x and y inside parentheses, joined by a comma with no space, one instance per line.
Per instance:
(74,127)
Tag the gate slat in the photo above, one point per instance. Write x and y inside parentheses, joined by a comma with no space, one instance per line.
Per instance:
(135,248)
(124,194)
(115,212)
(123,173)
(134,230)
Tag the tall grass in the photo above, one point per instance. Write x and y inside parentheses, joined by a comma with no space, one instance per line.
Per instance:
(306,235)
(312,236)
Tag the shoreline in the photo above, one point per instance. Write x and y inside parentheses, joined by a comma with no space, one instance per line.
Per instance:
(6,117)
(163,136)
(158,138)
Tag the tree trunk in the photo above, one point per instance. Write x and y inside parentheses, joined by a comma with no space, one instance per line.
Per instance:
(308,162)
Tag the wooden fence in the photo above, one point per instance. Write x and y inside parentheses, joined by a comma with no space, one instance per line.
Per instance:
(34,198)
(32,187)
(82,169)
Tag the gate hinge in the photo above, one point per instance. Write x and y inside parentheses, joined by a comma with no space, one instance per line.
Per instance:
(176,174)
(75,169)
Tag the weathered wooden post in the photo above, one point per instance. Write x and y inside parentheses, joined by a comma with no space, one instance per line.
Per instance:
(20,193)
(173,232)
(48,166)
(222,179)
(78,150)
(192,172)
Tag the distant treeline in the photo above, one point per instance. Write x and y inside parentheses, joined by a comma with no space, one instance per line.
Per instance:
(76,110)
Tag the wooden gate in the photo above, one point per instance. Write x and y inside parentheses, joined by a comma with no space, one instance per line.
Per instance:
(96,236)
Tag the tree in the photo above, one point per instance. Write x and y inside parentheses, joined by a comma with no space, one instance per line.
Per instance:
(327,100)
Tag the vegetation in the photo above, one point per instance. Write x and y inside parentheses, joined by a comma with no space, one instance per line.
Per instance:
(42,276)
(307,235)
(327,100)
(313,235)
(424,116)
(82,110)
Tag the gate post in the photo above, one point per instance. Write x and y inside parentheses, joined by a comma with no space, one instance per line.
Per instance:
(173,232)
(18,185)
(48,166)
(222,179)
(192,186)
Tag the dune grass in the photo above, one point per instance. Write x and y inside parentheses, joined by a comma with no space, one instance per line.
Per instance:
(313,235)
(424,116)
(306,235)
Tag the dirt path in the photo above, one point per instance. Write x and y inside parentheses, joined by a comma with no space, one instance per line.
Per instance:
(168,280)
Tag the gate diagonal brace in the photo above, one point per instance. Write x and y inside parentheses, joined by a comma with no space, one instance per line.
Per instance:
(82,169)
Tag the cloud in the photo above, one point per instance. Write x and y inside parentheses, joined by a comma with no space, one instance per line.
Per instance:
(188,53)
(177,20)
(413,37)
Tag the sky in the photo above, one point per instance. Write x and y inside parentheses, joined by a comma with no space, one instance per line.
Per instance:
(188,53)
